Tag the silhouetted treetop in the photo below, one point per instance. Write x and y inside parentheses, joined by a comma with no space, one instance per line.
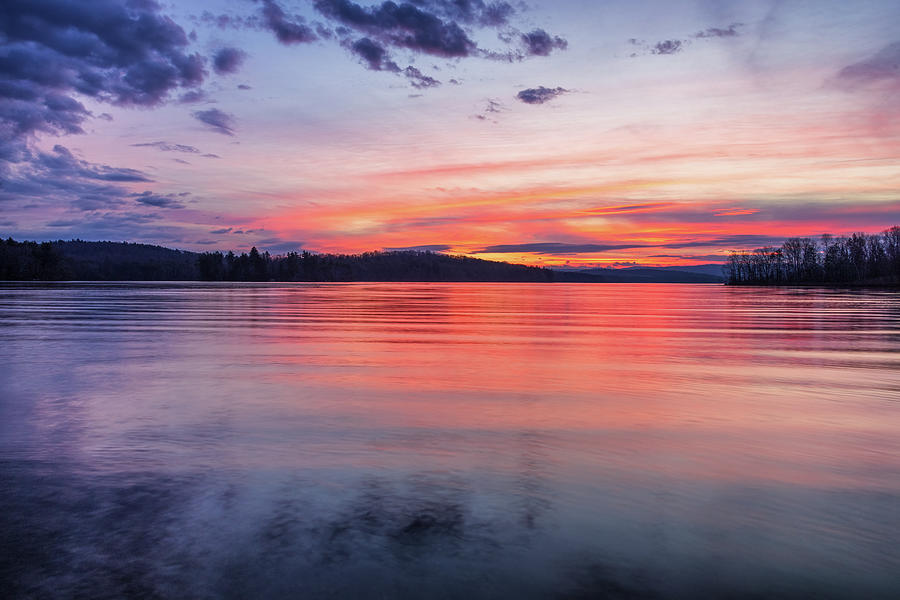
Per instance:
(860,259)
(122,261)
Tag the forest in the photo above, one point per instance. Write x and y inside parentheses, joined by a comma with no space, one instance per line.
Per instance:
(860,259)
(93,261)
(79,260)
(368,266)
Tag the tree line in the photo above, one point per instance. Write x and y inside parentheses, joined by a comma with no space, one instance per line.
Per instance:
(368,266)
(77,260)
(859,259)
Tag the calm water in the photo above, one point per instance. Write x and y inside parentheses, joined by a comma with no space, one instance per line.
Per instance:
(448,441)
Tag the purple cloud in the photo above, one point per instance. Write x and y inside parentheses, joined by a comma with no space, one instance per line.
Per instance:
(215,119)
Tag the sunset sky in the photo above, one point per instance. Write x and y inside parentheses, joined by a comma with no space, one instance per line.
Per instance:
(568,132)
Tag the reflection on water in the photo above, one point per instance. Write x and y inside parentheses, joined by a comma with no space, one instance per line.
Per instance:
(448,441)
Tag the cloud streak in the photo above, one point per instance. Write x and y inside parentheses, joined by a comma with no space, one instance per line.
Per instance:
(718,32)
(59,176)
(540,94)
(167,147)
(883,66)
(156,200)
(216,120)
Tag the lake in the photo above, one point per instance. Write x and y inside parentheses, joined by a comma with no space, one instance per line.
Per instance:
(448,440)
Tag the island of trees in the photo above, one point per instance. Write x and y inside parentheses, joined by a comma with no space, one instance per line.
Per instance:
(860,259)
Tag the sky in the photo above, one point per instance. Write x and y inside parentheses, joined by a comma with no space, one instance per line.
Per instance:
(569,133)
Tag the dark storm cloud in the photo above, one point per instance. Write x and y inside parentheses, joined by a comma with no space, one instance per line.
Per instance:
(151,199)
(215,119)
(668,47)
(167,147)
(287,31)
(540,94)
(541,43)
(228,60)
(244,86)
(883,66)
(220,231)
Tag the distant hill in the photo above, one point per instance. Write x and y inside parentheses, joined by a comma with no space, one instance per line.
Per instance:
(714,269)
(94,261)
(648,275)
(121,261)
(78,260)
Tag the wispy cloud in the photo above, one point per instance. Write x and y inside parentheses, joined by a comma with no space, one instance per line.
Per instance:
(159,201)
(540,94)
(719,32)
(668,47)
(216,120)
(167,147)
(228,60)
(422,248)
(553,248)
(883,66)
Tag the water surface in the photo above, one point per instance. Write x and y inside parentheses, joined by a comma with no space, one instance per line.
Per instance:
(448,441)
